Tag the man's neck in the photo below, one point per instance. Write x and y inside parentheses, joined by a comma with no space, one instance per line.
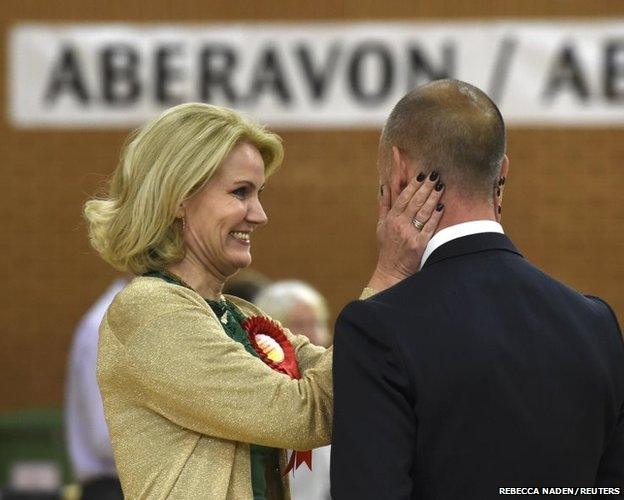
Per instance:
(458,212)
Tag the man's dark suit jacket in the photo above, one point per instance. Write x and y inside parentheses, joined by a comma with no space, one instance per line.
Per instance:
(479,372)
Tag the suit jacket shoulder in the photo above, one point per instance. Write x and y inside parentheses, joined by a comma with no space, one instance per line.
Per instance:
(608,310)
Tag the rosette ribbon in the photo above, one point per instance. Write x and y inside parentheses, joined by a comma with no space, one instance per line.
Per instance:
(274,349)
(297,458)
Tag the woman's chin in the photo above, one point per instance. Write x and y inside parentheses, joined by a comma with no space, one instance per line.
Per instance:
(240,262)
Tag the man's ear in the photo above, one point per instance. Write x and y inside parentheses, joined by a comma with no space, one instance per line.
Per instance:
(504,170)
(398,173)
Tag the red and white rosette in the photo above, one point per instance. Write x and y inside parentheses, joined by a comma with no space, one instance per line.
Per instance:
(270,342)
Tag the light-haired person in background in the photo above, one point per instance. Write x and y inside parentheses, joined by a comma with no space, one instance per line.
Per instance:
(303,310)
(86,434)
(299,307)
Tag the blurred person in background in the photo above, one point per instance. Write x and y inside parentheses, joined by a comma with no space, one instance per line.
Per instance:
(86,434)
(299,307)
(303,310)
(203,393)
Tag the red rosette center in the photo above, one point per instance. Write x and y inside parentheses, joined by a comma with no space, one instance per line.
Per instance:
(260,327)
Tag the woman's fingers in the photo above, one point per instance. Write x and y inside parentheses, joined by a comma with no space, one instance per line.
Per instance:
(422,211)
(419,190)
(413,188)
(430,226)
(402,241)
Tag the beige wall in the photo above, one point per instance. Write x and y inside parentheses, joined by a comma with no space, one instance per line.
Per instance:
(563,202)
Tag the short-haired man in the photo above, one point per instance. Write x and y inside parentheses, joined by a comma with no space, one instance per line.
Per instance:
(480,372)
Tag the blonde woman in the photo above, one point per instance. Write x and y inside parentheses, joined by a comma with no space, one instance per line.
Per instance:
(202,393)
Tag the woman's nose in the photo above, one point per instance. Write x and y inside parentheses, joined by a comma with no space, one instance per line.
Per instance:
(257,214)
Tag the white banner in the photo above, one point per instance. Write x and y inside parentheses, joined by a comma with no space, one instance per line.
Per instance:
(341,75)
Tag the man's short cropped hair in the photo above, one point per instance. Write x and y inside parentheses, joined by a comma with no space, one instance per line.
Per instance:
(452,127)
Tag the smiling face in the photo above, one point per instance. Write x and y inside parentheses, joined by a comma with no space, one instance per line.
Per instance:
(221,216)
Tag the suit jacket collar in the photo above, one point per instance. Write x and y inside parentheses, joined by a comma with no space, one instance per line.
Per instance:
(473,243)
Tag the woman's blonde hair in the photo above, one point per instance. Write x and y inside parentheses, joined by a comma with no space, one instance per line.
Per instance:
(163,163)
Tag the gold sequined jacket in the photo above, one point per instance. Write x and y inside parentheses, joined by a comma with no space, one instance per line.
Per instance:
(182,399)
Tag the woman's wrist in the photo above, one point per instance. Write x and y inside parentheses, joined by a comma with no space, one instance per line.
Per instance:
(367,292)
(382,279)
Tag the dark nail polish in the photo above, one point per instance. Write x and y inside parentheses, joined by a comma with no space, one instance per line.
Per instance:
(381,189)
(421,177)
(502,181)
(439,207)
(498,191)
(439,186)
(500,209)
(433,176)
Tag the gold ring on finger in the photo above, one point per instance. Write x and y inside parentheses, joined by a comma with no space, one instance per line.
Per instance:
(417,224)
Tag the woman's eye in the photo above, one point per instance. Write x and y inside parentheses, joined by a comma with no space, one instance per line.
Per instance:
(241,192)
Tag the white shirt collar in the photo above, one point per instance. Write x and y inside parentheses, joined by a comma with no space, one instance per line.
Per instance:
(457,231)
